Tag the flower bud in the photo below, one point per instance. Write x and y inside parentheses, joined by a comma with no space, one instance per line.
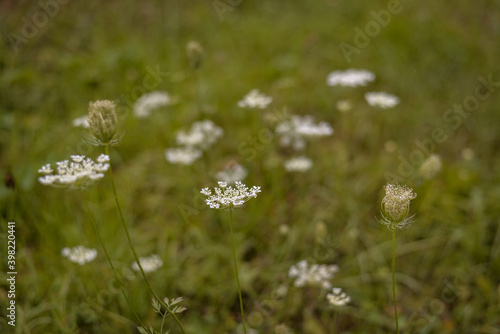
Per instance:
(396,206)
(103,121)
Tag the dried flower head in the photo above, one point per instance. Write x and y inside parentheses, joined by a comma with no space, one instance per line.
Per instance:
(149,264)
(396,206)
(350,78)
(381,100)
(255,100)
(338,298)
(228,198)
(103,123)
(314,275)
(79,173)
(79,254)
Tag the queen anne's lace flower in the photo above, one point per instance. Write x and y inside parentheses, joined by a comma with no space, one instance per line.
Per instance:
(202,135)
(78,173)
(233,173)
(396,206)
(350,78)
(298,164)
(79,254)
(314,275)
(227,197)
(293,131)
(255,100)
(182,156)
(381,100)
(338,297)
(149,264)
(82,121)
(150,101)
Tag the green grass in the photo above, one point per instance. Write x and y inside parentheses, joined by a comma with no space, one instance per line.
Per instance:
(430,55)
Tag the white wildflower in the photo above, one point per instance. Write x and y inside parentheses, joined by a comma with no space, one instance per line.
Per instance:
(430,167)
(255,99)
(228,197)
(293,131)
(314,275)
(202,135)
(80,173)
(150,101)
(182,156)
(350,78)
(395,206)
(343,105)
(79,254)
(338,297)
(149,264)
(298,164)
(82,121)
(381,100)
(232,173)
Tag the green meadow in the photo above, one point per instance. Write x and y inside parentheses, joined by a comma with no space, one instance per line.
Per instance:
(440,59)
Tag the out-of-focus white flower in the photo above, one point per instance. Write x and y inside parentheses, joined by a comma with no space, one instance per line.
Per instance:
(467,153)
(202,135)
(80,173)
(149,264)
(338,298)
(350,78)
(182,156)
(431,167)
(293,131)
(233,173)
(381,100)
(298,164)
(150,101)
(79,254)
(255,99)
(314,275)
(343,105)
(227,197)
(81,121)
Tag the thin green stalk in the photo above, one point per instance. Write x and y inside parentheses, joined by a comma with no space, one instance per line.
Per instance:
(393,277)
(334,323)
(115,273)
(236,271)
(133,248)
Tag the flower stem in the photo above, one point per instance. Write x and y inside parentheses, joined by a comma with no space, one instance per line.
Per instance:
(115,273)
(133,248)
(236,271)
(393,278)
(334,323)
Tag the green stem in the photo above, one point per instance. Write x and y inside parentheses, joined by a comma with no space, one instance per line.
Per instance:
(133,249)
(115,273)
(393,277)
(334,323)
(236,271)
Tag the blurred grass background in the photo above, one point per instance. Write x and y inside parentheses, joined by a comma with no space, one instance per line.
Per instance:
(429,55)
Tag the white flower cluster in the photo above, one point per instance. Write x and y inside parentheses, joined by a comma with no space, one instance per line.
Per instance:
(227,197)
(293,131)
(381,100)
(314,275)
(80,173)
(255,100)
(149,264)
(350,78)
(338,297)
(200,137)
(82,121)
(430,167)
(231,174)
(79,254)
(150,101)
(298,164)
